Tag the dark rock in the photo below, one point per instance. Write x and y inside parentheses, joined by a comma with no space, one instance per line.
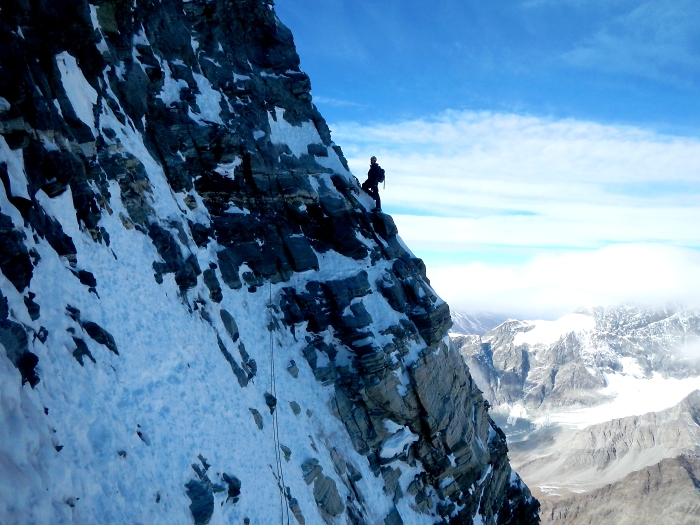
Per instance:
(51,230)
(229,269)
(300,253)
(326,374)
(14,257)
(295,407)
(384,225)
(393,293)
(317,150)
(293,369)
(211,281)
(201,235)
(327,497)
(32,308)
(202,501)
(296,510)
(433,324)
(73,313)
(100,335)
(393,518)
(310,355)
(229,324)
(287,452)
(257,417)
(344,291)
(86,278)
(42,334)
(81,350)
(14,338)
(240,374)
(185,270)
(391,483)
(271,402)
(4,309)
(234,487)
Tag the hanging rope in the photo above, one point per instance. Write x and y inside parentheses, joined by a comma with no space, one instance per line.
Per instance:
(284,505)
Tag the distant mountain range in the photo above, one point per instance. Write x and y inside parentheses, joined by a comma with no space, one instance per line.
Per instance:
(479,324)
(601,410)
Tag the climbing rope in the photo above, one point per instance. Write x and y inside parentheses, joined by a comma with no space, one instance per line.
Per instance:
(284,504)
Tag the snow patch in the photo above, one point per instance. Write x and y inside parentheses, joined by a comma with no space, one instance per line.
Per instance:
(517,411)
(395,444)
(80,93)
(228,169)
(171,87)
(296,137)
(209,102)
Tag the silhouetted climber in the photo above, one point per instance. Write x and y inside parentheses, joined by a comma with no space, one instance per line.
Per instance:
(375,175)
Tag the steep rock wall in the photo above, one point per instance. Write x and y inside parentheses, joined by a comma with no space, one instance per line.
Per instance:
(200,319)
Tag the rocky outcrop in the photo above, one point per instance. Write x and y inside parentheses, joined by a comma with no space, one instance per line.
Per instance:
(178,228)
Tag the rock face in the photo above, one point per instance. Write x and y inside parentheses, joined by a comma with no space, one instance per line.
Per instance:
(191,281)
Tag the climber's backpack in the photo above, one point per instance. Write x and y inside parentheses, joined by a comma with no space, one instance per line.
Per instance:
(381,175)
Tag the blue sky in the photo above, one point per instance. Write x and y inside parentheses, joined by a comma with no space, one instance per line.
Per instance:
(519,136)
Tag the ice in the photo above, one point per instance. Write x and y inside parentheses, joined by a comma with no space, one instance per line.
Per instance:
(81,94)
(395,444)
(228,169)
(549,332)
(171,87)
(296,137)
(236,77)
(208,100)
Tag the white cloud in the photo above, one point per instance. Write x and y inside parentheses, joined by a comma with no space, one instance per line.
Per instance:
(549,286)
(551,215)
(334,102)
(519,180)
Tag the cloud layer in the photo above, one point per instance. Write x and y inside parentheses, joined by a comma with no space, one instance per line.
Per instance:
(514,180)
(550,285)
(535,217)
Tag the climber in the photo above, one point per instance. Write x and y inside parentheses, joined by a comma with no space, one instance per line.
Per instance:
(375,175)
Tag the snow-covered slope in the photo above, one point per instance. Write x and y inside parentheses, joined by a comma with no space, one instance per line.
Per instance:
(200,321)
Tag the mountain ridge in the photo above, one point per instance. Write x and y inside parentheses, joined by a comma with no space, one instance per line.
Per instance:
(200,316)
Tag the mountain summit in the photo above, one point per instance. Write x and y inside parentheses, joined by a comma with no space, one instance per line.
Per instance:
(201,322)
